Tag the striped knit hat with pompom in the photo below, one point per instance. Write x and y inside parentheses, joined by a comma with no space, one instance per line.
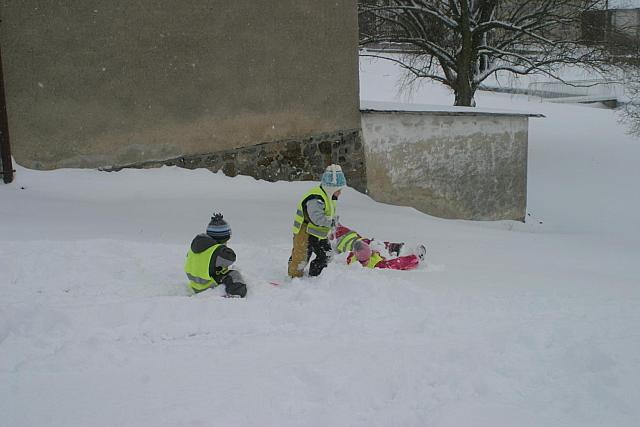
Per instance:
(219,229)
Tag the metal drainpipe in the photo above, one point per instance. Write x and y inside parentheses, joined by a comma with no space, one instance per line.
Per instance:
(5,147)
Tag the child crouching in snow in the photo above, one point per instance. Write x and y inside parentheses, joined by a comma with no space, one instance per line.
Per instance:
(209,259)
(368,251)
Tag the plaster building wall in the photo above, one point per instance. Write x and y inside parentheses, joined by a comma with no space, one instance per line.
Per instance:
(446,164)
(94,83)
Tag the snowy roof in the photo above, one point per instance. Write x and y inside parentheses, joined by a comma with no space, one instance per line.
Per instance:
(391,107)
(624,4)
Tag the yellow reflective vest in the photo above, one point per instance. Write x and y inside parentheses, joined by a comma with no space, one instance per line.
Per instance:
(312,229)
(197,269)
(373,261)
(345,242)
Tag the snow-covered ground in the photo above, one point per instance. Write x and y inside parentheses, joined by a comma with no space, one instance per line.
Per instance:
(509,324)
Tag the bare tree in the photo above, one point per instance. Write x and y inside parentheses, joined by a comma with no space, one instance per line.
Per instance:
(630,114)
(460,43)
(624,41)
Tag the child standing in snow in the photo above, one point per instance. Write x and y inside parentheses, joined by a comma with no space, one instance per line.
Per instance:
(209,259)
(314,219)
(368,251)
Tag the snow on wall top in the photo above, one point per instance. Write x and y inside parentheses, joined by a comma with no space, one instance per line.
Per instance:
(376,106)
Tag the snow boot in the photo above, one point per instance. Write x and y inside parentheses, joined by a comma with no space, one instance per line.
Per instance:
(394,249)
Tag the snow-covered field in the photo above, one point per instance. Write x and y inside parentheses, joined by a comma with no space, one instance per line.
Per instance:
(509,324)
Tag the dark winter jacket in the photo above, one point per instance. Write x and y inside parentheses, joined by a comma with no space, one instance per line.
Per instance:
(221,259)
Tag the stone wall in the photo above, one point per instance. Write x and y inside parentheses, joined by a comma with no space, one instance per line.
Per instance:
(463,165)
(92,83)
(288,160)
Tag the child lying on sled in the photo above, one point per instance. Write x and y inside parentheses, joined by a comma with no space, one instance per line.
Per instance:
(368,251)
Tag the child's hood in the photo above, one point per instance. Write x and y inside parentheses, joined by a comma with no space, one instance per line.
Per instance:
(202,242)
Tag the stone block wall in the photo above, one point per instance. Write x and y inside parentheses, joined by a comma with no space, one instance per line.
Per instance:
(287,160)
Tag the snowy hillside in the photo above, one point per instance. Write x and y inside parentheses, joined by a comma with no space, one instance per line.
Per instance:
(509,324)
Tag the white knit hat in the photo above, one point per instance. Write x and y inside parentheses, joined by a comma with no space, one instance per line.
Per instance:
(333,179)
